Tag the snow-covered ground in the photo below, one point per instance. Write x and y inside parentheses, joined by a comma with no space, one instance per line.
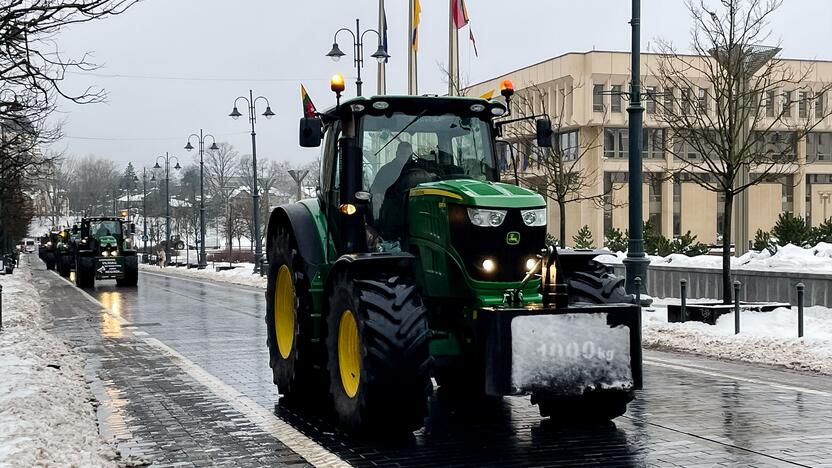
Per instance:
(47,417)
(765,337)
(242,274)
(791,258)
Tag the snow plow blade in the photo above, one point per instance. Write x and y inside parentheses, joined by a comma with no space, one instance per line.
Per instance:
(565,352)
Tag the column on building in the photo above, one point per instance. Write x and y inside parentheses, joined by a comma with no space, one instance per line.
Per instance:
(800,180)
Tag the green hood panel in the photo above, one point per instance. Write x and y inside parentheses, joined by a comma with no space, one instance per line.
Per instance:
(483,193)
(107,240)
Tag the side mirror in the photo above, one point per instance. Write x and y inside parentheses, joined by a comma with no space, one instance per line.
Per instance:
(544,133)
(311,132)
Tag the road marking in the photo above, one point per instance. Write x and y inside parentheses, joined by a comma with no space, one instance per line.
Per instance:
(263,418)
(704,371)
(307,448)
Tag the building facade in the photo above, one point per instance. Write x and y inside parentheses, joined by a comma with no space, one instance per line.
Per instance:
(584,88)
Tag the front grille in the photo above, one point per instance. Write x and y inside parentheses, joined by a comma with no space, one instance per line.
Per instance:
(474,244)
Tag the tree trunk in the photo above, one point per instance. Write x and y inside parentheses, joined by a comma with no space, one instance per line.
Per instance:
(726,248)
(562,211)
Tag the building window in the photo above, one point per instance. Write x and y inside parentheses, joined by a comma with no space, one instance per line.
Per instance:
(818,147)
(616,143)
(702,100)
(787,104)
(686,97)
(769,103)
(669,100)
(650,100)
(776,146)
(653,143)
(820,108)
(568,145)
(803,105)
(615,95)
(598,98)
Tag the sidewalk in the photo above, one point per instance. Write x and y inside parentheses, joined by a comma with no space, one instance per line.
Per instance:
(47,411)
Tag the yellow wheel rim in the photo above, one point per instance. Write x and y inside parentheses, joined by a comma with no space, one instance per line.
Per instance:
(349,354)
(284,311)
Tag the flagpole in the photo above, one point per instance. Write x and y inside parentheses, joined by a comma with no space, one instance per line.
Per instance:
(412,84)
(453,52)
(382,66)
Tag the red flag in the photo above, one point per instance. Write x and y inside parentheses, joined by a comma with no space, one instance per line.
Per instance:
(459,13)
(309,110)
(473,41)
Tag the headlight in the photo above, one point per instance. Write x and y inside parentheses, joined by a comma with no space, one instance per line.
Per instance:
(105,253)
(83,241)
(489,265)
(486,218)
(535,217)
(49,244)
(530,263)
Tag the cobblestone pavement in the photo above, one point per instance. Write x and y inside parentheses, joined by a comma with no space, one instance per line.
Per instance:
(182,371)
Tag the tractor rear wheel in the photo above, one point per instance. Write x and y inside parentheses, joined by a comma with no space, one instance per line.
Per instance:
(379,361)
(64,266)
(131,277)
(85,272)
(49,259)
(288,311)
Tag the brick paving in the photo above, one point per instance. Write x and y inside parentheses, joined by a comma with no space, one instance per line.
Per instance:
(723,414)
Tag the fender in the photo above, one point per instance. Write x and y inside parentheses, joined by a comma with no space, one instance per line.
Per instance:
(308,232)
(363,265)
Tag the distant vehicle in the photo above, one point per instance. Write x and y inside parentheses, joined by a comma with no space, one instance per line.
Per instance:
(103,249)
(29,245)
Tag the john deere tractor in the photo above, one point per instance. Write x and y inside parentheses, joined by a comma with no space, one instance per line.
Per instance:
(415,261)
(49,242)
(104,250)
(65,253)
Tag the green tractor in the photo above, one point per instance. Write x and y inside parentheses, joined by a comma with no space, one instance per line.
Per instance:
(103,250)
(48,243)
(414,261)
(65,252)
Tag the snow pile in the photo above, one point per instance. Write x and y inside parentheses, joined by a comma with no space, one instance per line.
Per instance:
(40,225)
(816,259)
(765,337)
(242,274)
(47,416)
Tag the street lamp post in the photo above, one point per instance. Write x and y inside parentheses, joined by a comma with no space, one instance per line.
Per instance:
(235,114)
(167,158)
(358,50)
(144,211)
(636,261)
(202,260)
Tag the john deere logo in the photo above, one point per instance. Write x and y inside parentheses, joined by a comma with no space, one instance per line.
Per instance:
(513,238)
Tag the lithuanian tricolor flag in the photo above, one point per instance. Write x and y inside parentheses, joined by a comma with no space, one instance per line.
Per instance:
(309,110)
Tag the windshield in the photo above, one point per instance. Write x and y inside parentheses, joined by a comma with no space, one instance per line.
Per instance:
(446,146)
(105,228)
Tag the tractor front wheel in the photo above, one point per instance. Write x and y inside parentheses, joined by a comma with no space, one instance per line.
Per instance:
(288,309)
(379,361)
(85,272)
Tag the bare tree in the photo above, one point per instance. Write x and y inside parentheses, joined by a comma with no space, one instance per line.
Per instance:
(560,172)
(221,166)
(730,107)
(95,182)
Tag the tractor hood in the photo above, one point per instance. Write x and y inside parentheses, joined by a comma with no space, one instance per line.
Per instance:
(482,193)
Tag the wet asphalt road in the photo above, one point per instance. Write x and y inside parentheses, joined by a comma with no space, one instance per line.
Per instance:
(692,412)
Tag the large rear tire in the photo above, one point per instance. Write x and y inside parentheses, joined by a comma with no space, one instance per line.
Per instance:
(64,265)
(288,321)
(49,259)
(378,357)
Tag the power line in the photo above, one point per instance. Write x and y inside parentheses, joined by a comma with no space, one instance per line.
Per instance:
(187,78)
(70,137)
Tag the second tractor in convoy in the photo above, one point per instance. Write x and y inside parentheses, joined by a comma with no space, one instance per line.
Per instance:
(103,249)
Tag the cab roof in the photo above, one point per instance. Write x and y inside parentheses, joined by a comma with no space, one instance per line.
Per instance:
(431,105)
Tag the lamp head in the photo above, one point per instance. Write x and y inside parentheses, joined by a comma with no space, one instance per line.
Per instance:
(214,146)
(177,166)
(189,147)
(268,114)
(157,166)
(380,54)
(235,114)
(335,53)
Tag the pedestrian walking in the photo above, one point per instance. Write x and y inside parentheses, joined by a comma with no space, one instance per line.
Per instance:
(161,258)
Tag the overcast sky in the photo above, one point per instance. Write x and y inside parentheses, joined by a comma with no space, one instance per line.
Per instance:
(182,62)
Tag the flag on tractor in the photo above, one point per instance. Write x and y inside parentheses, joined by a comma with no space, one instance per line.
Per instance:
(488,95)
(459,13)
(309,110)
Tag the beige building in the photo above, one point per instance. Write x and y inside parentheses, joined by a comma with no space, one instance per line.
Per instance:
(584,87)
